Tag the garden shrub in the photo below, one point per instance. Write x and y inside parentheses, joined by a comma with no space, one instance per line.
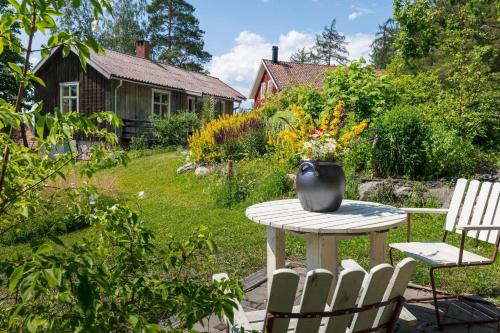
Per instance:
(274,185)
(115,281)
(400,148)
(254,144)
(70,209)
(207,144)
(138,143)
(175,130)
(450,154)
(232,189)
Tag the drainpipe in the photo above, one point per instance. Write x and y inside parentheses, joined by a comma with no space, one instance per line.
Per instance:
(116,99)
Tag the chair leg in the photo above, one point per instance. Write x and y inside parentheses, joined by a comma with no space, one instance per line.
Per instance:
(390,257)
(434,295)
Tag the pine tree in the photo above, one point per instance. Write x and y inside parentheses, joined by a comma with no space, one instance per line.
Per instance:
(304,56)
(331,46)
(383,45)
(176,36)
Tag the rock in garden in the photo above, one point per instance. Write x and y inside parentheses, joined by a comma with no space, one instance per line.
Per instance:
(402,191)
(367,188)
(186,167)
(202,171)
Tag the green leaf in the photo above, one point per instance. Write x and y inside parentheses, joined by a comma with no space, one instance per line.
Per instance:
(16,68)
(15,277)
(84,293)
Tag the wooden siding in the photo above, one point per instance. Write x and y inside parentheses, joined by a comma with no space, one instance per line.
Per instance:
(266,78)
(94,88)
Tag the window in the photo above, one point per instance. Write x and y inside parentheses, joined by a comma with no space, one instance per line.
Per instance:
(69,94)
(191,104)
(269,87)
(161,103)
(263,90)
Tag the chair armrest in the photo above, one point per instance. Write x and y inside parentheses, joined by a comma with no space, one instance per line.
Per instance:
(478,227)
(425,210)
(239,316)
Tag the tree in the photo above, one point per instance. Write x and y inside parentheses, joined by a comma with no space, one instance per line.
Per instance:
(304,56)
(8,83)
(78,20)
(124,26)
(331,46)
(176,36)
(383,45)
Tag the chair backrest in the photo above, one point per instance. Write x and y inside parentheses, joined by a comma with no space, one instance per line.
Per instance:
(355,289)
(475,203)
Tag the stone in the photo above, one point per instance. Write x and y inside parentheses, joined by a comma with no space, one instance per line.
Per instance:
(402,191)
(186,167)
(366,188)
(202,171)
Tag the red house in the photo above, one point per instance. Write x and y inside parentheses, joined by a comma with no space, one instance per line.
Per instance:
(274,75)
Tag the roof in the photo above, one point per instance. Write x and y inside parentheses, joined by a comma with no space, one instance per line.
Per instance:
(285,74)
(123,66)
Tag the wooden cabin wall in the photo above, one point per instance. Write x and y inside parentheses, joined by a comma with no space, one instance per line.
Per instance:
(94,89)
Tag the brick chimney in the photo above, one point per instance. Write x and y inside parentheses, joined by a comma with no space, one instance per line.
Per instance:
(142,49)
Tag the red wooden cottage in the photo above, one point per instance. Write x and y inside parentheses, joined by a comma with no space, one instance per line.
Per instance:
(274,75)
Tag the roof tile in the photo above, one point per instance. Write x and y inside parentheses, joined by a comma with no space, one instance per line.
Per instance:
(286,74)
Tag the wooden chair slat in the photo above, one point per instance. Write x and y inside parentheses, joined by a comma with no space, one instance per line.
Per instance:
(455,204)
(374,287)
(397,286)
(345,297)
(479,208)
(489,216)
(282,296)
(314,298)
(468,205)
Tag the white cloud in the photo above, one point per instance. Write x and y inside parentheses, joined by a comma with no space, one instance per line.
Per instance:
(358,12)
(238,67)
(358,45)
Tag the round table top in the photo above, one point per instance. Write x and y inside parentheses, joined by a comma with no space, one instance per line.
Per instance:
(353,217)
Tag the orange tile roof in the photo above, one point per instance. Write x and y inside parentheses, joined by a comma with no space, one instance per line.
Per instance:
(286,73)
(120,65)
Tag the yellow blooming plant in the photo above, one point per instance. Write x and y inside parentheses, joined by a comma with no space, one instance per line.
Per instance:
(205,143)
(326,140)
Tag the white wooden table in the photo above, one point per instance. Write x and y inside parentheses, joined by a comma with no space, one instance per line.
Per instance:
(322,231)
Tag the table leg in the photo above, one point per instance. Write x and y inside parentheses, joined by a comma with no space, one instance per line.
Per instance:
(378,247)
(275,252)
(322,252)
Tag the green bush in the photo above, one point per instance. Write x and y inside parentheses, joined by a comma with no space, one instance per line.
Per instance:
(274,185)
(233,189)
(138,143)
(450,154)
(174,130)
(400,150)
(254,144)
(231,149)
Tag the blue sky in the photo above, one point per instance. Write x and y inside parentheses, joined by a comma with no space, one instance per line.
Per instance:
(239,33)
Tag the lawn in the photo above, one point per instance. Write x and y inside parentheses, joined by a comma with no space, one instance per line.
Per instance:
(176,205)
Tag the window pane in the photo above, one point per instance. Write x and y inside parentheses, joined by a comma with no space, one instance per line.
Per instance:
(157,110)
(73,104)
(73,90)
(157,98)
(65,105)
(164,110)
(65,91)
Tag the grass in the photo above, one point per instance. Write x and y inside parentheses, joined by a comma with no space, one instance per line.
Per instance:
(176,205)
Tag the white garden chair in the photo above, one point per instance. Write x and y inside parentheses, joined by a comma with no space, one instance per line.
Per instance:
(362,302)
(474,212)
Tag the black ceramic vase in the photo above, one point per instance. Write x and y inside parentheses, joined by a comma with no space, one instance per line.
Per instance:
(320,186)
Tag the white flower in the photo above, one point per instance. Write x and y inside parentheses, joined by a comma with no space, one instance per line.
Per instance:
(114,208)
(140,195)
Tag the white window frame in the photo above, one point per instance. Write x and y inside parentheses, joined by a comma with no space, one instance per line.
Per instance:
(223,106)
(270,86)
(263,90)
(163,92)
(62,85)
(192,98)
